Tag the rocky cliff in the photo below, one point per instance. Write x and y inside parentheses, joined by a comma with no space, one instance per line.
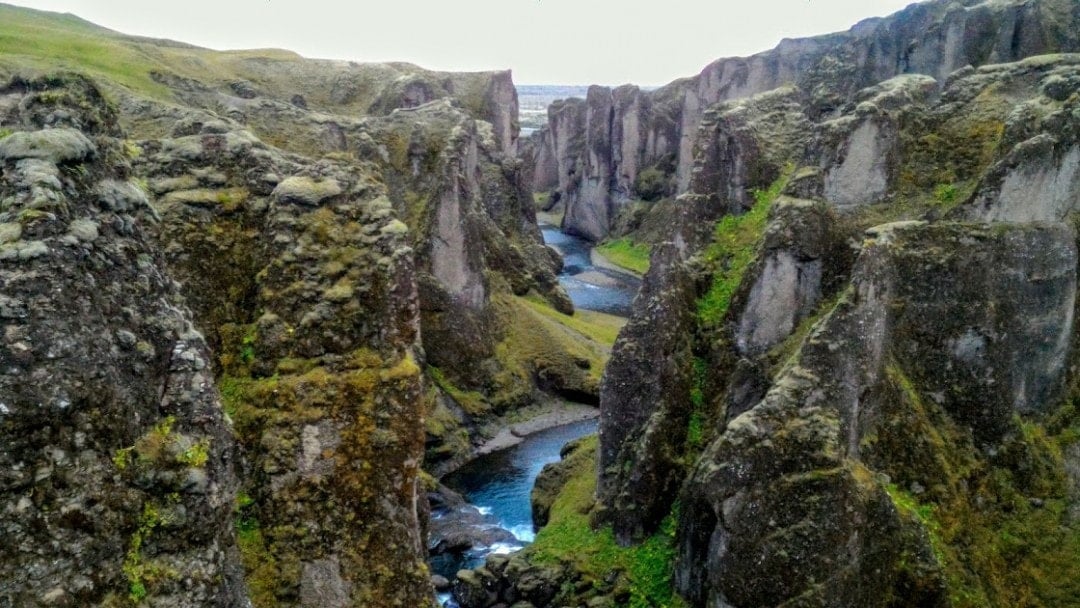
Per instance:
(639,144)
(120,467)
(911,346)
(827,394)
(316,219)
(441,145)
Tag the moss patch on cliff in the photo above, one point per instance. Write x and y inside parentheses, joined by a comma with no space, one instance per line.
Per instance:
(999,524)
(734,246)
(471,401)
(337,417)
(638,576)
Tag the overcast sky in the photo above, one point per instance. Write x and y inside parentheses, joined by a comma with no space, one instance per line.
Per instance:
(542,41)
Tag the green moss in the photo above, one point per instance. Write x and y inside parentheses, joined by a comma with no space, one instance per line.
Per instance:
(568,540)
(626,253)
(945,193)
(781,354)
(541,199)
(261,567)
(998,524)
(154,449)
(734,246)
(472,402)
(142,574)
(196,455)
(695,434)
(122,457)
(5,132)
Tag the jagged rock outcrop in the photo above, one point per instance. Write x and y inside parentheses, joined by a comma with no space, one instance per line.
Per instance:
(646,402)
(304,276)
(645,414)
(658,129)
(938,401)
(1037,176)
(120,469)
(787,497)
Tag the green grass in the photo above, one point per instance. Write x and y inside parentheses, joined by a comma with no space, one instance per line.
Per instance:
(49,42)
(472,402)
(596,326)
(626,254)
(541,199)
(568,539)
(732,251)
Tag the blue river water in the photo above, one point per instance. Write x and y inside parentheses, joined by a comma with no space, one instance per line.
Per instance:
(590,287)
(499,484)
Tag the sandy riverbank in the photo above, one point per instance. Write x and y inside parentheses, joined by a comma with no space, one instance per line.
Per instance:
(536,419)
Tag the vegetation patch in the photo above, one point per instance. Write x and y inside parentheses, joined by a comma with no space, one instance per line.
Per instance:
(541,200)
(472,402)
(141,573)
(540,345)
(734,246)
(626,253)
(999,525)
(695,434)
(161,446)
(642,573)
(599,327)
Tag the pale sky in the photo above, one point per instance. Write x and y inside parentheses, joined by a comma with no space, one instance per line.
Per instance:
(542,41)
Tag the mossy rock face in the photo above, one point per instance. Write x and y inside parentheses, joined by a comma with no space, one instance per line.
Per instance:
(879,383)
(307,191)
(307,288)
(120,471)
(53,145)
(941,404)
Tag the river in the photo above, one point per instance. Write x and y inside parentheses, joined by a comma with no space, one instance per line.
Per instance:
(590,287)
(498,485)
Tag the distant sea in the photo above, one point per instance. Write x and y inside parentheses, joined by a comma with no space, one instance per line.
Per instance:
(534,99)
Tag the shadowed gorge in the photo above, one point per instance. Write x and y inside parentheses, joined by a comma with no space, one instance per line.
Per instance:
(278,331)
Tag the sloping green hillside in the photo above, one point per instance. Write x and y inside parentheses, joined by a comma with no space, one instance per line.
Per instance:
(47,41)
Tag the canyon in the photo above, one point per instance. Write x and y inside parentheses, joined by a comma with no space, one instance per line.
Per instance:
(256,307)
